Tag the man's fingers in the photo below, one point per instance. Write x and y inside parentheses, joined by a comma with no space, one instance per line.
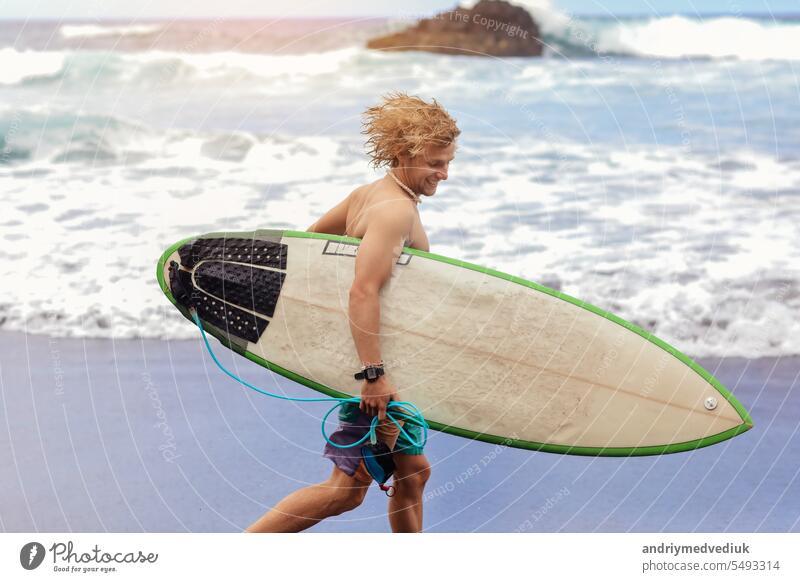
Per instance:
(375,405)
(368,406)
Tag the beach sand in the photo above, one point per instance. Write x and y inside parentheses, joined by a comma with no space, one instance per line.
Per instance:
(148,435)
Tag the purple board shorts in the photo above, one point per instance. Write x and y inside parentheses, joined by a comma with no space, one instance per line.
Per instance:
(353,425)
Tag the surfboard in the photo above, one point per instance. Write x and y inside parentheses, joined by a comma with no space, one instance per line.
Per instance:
(485,355)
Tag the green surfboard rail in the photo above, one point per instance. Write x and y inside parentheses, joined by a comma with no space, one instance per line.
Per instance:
(747,422)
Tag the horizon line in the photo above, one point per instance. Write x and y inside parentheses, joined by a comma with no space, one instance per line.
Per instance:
(605,16)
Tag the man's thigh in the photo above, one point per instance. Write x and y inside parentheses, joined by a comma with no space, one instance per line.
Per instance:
(360,478)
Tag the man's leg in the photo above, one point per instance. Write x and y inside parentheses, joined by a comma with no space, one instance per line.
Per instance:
(310,505)
(405,507)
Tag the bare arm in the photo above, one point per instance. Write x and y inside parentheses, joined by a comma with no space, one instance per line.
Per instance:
(388,226)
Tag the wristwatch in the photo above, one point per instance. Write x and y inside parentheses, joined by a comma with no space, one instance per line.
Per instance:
(370,373)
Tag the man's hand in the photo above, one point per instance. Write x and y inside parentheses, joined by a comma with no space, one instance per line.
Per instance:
(376,395)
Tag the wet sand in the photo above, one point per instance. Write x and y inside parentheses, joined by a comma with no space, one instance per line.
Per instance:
(148,435)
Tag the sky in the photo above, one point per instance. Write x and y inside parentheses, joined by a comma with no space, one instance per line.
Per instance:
(81,9)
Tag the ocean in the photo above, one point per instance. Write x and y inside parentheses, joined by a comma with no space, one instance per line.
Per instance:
(656,177)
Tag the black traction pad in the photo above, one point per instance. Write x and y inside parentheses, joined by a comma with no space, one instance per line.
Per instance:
(242,250)
(234,321)
(249,287)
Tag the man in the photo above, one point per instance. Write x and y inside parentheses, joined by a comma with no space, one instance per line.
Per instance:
(416,140)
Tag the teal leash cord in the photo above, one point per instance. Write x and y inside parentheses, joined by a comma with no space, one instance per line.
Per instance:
(415,417)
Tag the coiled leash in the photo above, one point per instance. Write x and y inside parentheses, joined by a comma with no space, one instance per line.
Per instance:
(376,455)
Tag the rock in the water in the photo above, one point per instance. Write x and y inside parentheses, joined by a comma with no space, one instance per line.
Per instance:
(491,27)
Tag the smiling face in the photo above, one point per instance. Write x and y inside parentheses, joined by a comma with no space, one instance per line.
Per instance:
(423,172)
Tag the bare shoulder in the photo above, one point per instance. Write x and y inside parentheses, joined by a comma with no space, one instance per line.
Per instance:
(358,192)
(376,207)
(387,210)
(405,214)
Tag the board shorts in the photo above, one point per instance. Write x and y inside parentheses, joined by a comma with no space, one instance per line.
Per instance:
(353,425)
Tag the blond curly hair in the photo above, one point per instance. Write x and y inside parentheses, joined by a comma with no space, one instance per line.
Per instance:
(403,124)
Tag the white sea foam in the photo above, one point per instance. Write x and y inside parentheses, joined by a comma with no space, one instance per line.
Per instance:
(17,66)
(679,36)
(219,65)
(654,255)
(165,67)
(97,30)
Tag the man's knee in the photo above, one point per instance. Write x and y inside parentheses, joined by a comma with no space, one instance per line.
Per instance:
(346,499)
(415,473)
(348,492)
